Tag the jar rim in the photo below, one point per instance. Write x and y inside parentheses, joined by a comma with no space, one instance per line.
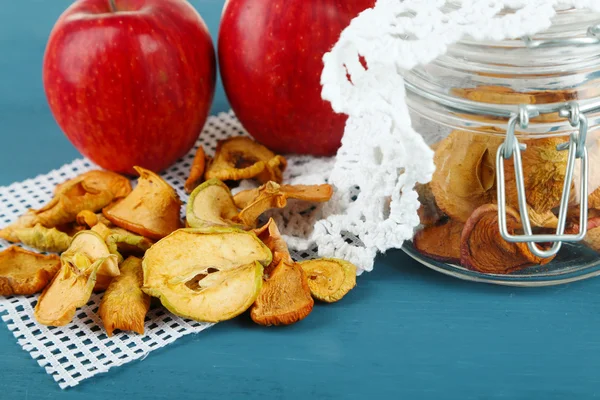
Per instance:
(498,110)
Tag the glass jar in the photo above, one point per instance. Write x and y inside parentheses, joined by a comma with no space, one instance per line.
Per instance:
(515,126)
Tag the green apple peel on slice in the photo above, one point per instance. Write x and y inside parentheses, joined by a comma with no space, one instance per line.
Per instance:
(211,204)
(211,274)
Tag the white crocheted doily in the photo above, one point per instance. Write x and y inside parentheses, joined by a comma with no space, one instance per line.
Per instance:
(374,173)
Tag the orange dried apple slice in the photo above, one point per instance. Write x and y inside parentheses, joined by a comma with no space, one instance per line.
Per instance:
(440,242)
(99,181)
(464,178)
(211,204)
(43,239)
(284,298)
(483,249)
(240,158)
(152,209)
(70,289)
(429,212)
(24,272)
(270,236)
(544,170)
(329,279)
(124,305)
(210,274)
(272,195)
(196,171)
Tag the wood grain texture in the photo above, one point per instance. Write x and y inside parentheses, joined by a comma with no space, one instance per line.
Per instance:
(403,332)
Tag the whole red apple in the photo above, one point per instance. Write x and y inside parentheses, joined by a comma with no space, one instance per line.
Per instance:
(130,82)
(270,58)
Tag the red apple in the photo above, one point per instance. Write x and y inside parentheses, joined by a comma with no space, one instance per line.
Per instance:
(270,58)
(130,82)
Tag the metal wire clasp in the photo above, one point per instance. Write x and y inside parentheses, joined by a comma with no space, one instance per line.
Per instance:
(577,150)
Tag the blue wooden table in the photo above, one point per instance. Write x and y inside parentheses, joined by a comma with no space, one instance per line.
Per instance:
(404,332)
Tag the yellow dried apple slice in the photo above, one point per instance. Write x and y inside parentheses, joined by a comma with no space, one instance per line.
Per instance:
(211,204)
(70,289)
(152,209)
(92,191)
(240,158)
(209,274)
(44,239)
(124,305)
(329,279)
(24,272)
(284,298)
(94,247)
(272,195)
(196,171)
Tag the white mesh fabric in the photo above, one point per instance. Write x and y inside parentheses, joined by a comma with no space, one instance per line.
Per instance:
(381,159)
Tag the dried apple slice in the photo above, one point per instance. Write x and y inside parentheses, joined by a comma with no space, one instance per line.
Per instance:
(99,181)
(544,170)
(211,204)
(270,236)
(210,274)
(196,171)
(24,272)
(43,239)
(440,242)
(284,298)
(241,157)
(272,195)
(127,243)
(70,289)
(124,305)
(312,193)
(484,250)
(329,279)
(89,191)
(592,239)
(464,178)
(429,212)
(152,209)
(91,244)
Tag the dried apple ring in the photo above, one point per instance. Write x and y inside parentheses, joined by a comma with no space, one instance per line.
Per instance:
(211,274)
(124,304)
(211,204)
(24,272)
(329,279)
(196,171)
(484,250)
(152,209)
(240,158)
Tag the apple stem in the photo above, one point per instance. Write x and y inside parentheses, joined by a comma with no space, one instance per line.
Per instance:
(112,5)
